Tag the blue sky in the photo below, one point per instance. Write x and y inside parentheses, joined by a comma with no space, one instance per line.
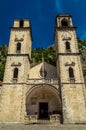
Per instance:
(42,15)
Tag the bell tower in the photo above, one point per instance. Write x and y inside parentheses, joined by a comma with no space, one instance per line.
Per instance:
(12,108)
(69,70)
(19,52)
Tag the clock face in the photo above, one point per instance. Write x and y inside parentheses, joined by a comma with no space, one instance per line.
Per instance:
(66,36)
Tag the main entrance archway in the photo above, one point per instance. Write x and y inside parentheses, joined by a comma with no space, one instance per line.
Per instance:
(43,101)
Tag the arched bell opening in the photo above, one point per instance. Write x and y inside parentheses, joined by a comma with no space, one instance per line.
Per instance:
(64,23)
(43,101)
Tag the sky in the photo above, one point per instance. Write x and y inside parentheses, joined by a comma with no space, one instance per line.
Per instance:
(42,14)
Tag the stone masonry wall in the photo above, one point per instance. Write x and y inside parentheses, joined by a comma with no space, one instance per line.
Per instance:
(13,62)
(25,43)
(73,100)
(12,108)
(65,63)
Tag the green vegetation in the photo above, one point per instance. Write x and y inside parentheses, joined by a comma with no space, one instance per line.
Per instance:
(3,54)
(49,55)
(82,50)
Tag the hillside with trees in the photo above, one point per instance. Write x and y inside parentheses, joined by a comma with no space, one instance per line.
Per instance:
(82,50)
(49,55)
(3,55)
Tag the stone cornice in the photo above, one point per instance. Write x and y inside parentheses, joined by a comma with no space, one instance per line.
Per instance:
(20,55)
(63,15)
(20,28)
(66,28)
(71,83)
(69,54)
(13,83)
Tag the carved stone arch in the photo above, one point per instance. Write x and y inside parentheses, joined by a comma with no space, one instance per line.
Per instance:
(43,93)
(64,22)
(41,85)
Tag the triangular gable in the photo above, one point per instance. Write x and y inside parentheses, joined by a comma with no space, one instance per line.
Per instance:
(50,70)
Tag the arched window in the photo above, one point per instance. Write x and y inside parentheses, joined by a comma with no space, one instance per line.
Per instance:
(18,48)
(64,23)
(15,74)
(67,45)
(71,73)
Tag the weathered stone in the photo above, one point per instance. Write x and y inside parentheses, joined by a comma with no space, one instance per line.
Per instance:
(25,93)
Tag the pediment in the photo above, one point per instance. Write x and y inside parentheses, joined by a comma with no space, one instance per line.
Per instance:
(43,70)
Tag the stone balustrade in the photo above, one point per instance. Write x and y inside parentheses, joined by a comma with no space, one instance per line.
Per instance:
(31,119)
(42,81)
(54,118)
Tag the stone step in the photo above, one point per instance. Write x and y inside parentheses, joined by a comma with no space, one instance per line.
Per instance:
(18,126)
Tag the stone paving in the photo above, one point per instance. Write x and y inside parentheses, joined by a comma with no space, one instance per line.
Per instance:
(41,127)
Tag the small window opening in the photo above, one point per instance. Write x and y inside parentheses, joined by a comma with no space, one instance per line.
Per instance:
(67,45)
(71,73)
(15,75)
(64,23)
(18,49)
(21,23)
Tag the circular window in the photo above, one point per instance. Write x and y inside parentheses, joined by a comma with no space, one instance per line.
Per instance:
(43,73)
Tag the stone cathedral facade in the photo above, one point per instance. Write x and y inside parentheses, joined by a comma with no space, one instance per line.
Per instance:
(43,92)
